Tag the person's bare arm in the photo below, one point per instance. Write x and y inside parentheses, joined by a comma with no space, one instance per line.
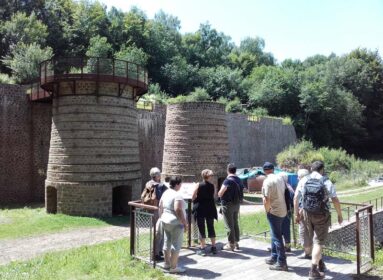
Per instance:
(296,207)
(335,201)
(266,204)
(178,209)
(194,196)
(222,191)
(160,207)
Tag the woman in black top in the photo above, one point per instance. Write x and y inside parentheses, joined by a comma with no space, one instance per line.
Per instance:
(204,209)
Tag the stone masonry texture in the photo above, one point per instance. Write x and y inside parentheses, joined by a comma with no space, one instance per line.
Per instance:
(195,139)
(93,149)
(252,143)
(26,132)
(24,146)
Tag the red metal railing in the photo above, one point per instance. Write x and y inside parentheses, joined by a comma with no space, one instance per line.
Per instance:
(36,93)
(93,68)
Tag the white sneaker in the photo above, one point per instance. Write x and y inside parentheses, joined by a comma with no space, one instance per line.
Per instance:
(166,266)
(229,247)
(177,270)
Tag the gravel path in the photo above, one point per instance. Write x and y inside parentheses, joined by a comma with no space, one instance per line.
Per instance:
(30,247)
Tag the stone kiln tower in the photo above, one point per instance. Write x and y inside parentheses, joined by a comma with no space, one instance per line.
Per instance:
(196,138)
(94,167)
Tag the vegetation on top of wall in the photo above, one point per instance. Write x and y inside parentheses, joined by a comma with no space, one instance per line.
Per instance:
(198,95)
(6,79)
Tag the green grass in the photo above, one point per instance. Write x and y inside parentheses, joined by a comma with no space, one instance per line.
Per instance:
(364,196)
(378,264)
(28,221)
(250,224)
(104,261)
(253,198)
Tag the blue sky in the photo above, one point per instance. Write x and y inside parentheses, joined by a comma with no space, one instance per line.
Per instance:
(291,28)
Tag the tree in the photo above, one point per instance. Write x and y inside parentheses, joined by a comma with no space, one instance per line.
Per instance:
(179,76)
(58,17)
(99,48)
(361,72)
(275,89)
(332,115)
(23,29)
(133,54)
(207,47)
(250,54)
(135,28)
(163,44)
(25,59)
(222,82)
(118,36)
(89,20)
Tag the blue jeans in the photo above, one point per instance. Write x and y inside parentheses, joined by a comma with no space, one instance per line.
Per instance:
(286,229)
(277,246)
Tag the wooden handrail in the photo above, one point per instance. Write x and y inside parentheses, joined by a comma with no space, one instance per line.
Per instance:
(139,204)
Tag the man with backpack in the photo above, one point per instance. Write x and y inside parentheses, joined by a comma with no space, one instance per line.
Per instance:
(231,194)
(151,195)
(316,190)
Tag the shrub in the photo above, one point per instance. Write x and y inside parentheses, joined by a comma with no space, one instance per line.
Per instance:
(198,95)
(336,159)
(293,155)
(6,79)
(178,99)
(342,168)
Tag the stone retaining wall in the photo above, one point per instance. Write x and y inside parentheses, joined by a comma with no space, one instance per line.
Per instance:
(344,237)
(24,146)
(252,143)
(26,129)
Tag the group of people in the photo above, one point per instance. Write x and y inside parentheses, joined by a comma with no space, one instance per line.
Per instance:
(171,221)
(310,208)
(311,212)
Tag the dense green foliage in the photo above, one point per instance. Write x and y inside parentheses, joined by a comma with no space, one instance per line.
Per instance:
(344,169)
(335,101)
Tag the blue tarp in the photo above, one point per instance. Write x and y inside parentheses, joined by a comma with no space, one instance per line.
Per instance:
(292,177)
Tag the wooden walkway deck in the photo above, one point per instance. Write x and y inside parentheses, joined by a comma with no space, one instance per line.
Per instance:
(249,263)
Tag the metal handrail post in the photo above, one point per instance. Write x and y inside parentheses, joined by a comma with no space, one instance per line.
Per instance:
(357,242)
(371,226)
(154,243)
(189,222)
(132,229)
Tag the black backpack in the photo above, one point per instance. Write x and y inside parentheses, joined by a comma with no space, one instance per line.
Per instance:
(288,199)
(315,198)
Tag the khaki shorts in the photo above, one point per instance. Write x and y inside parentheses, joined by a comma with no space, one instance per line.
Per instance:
(316,226)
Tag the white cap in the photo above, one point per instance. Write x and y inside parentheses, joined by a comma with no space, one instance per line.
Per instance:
(155,171)
(302,173)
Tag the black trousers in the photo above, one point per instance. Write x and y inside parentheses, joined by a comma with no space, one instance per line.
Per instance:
(210,227)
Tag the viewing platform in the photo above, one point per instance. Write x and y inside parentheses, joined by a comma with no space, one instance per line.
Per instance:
(74,70)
